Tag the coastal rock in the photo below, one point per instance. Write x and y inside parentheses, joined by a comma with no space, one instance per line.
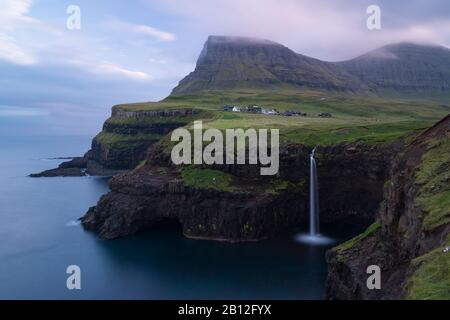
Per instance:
(256,209)
(124,141)
(150,196)
(413,226)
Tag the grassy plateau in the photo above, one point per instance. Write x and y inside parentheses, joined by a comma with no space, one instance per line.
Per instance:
(354,118)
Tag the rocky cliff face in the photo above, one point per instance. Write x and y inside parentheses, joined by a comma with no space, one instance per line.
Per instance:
(124,141)
(411,239)
(253,208)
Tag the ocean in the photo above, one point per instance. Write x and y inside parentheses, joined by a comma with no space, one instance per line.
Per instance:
(40,237)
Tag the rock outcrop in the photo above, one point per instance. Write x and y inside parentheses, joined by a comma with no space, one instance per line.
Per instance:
(252,207)
(124,141)
(411,238)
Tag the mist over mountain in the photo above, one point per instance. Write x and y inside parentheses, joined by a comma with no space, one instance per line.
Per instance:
(403,66)
(238,62)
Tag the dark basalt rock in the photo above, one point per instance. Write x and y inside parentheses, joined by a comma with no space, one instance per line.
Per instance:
(401,236)
(78,167)
(72,168)
(141,199)
(138,134)
(155,193)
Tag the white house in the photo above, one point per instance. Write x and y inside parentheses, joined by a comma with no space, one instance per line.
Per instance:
(236,109)
(268,111)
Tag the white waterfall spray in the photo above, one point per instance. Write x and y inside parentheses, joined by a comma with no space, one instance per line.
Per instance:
(313,197)
(313,237)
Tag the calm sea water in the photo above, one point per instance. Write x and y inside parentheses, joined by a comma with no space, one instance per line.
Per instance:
(40,238)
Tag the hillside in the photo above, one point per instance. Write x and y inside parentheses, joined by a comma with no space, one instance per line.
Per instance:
(236,62)
(403,67)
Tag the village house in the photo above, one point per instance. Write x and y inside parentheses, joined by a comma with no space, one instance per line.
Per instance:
(269,111)
(236,109)
(227,108)
(300,114)
(325,115)
(289,113)
(254,109)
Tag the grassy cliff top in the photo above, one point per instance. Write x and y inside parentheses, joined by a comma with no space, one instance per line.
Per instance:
(365,119)
(431,279)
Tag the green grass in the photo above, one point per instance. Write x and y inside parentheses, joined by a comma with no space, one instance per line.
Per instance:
(350,243)
(147,121)
(369,120)
(431,278)
(206,179)
(433,176)
(278,186)
(108,139)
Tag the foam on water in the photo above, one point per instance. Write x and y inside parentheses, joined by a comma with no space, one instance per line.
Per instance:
(73,223)
(315,240)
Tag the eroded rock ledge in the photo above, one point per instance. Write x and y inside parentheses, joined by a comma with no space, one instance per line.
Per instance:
(124,141)
(255,208)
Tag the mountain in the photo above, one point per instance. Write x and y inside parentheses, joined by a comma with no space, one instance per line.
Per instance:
(238,62)
(403,67)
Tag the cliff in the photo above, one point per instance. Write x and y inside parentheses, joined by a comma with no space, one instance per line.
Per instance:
(234,203)
(410,241)
(125,139)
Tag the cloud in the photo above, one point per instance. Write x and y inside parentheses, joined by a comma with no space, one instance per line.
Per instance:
(15,9)
(155,33)
(329,30)
(141,29)
(108,68)
(12,52)
(13,111)
(12,16)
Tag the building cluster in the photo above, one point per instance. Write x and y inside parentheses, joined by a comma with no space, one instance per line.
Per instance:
(271,111)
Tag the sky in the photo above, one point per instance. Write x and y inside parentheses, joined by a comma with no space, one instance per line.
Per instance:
(60,81)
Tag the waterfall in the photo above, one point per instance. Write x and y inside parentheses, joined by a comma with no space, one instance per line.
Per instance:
(314,237)
(313,197)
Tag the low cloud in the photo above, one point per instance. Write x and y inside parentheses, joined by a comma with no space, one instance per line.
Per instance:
(155,33)
(141,29)
(325,29)
(15,112)
(108,68)
(12,52)
(13,15)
